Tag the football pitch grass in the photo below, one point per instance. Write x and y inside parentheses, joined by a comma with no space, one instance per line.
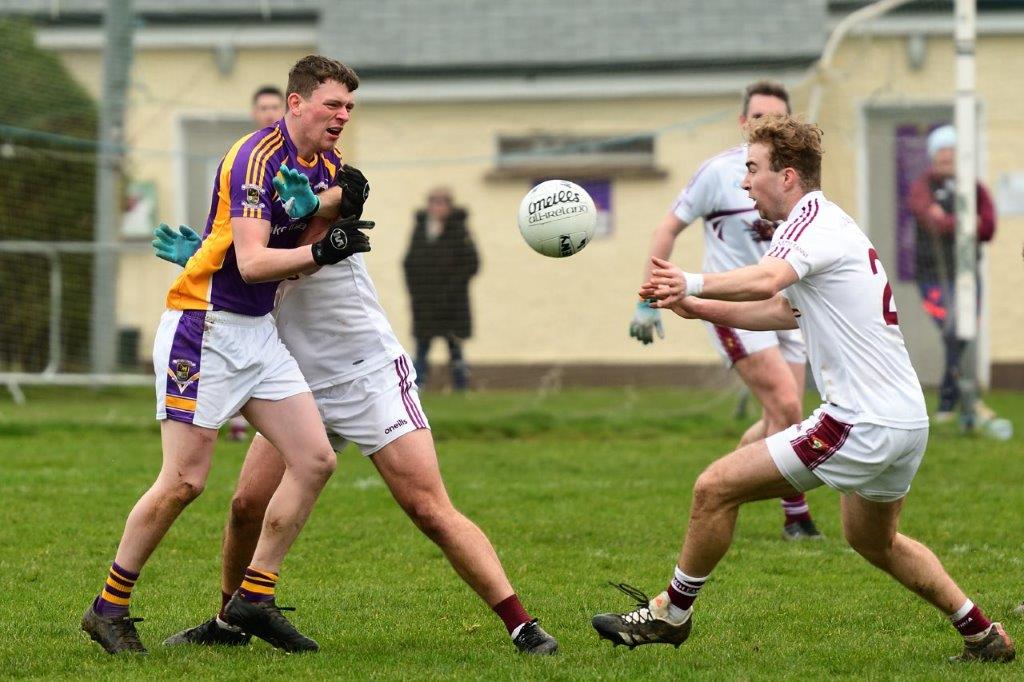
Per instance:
(574,488)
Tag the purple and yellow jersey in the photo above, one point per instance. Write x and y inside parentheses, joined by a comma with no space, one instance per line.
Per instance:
(244,188)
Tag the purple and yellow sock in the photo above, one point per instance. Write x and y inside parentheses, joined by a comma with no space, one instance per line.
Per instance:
(112,602)
(258,585)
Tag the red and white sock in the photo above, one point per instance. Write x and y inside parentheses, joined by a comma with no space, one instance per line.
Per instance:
(682,590)
(796,509)
(970,622)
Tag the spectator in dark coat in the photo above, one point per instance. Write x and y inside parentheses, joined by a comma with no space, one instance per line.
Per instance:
(932,200)
(438,266)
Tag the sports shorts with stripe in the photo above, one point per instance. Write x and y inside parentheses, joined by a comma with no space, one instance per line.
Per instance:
(735,344)
(373,410)
(876,462)
(209,363)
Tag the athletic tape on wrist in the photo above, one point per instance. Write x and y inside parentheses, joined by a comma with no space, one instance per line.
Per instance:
(694,283)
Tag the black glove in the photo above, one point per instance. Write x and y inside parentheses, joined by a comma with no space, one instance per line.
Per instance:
(343,239)
(354,191)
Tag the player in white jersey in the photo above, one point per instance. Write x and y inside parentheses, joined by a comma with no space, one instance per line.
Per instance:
(867,438)
(365,387)
(770,362)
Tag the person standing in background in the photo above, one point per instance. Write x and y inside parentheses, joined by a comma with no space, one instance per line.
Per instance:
(932,202)
(439,264)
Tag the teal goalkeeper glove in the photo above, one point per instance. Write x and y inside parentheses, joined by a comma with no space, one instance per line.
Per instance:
(646,320)
(293,187)
(175,247)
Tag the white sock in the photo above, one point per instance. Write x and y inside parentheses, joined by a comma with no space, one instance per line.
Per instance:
(221,623)
(676,615)
(688,585)
(962,611)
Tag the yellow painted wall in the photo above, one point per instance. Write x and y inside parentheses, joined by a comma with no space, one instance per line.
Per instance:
(531,308)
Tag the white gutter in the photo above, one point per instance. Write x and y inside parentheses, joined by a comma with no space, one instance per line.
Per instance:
(820,72)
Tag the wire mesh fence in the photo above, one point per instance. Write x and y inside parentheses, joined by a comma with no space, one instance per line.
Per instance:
(483,134)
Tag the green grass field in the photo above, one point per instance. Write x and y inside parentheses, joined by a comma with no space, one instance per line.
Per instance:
(574,489)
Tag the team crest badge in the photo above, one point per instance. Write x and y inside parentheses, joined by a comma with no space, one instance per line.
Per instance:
(817,444)
(253,194)
(761,230)
(183,373)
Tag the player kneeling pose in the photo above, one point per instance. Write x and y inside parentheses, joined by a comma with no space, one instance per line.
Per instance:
(822,275)
(365,387)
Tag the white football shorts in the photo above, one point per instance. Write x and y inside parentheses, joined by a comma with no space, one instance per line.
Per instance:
(373,410)
(209,363)
(735,344)
(876,462)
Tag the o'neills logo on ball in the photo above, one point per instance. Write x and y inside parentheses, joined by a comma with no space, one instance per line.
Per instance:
(559,197)
(560,212)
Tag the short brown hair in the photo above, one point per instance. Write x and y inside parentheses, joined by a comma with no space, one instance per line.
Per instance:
(267,90)
(791,144)
(313,70)
(765,87)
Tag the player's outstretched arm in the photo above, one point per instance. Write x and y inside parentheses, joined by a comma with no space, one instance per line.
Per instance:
(646,320)
(669,284)
(773,314)
(175,247)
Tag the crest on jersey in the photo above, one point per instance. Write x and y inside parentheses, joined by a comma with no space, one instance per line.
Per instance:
(761,230)
(183,374)
(253,194)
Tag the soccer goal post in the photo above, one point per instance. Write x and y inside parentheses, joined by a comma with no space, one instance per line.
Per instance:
(966,296)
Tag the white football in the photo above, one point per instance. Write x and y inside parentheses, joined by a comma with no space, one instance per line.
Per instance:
(557,218)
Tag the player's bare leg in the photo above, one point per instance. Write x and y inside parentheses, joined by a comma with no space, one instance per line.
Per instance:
(871,529)
(187,452)
(293,425)
(260,475)
(745,475)
(409,467)
(779,387)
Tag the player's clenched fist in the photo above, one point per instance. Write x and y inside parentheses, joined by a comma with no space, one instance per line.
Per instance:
(355,190)
(343,238)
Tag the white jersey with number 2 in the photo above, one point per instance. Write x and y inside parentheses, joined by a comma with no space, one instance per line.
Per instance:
(848,318)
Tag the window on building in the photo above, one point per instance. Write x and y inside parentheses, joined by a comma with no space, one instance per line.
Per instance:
(548,154)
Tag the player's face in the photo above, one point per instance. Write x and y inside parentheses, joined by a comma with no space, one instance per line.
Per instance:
(763,184)
(324,115)
(944,162)
(267,110)
(763,105)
